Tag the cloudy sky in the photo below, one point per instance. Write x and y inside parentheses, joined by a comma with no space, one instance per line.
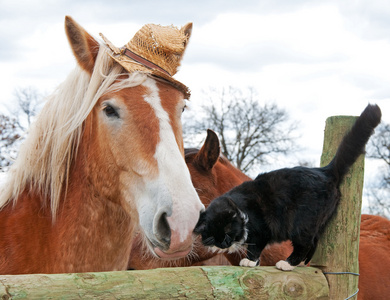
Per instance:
(313,58)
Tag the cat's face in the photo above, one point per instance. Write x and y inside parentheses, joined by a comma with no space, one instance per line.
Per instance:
(222,225)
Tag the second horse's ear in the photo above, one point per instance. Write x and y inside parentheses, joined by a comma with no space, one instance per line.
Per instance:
(85,48)
(209,153)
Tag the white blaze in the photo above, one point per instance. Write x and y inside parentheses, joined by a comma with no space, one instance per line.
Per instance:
(173,187)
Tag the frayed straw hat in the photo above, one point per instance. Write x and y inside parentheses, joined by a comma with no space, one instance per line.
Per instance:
(156,50)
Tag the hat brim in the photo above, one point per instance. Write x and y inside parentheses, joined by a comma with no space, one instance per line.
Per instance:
(132,66)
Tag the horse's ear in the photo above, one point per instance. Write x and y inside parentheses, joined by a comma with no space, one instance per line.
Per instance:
(85,48)
(187,29)
(209,153)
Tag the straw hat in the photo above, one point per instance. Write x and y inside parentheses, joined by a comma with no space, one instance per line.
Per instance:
(156,50)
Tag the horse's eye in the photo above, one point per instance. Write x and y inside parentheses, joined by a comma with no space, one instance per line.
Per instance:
(184,106)
(111,111)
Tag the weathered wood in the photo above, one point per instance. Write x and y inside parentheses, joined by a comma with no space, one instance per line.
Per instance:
(338,248)
(171,283)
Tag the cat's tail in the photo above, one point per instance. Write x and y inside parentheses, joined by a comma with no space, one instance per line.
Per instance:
(354,142)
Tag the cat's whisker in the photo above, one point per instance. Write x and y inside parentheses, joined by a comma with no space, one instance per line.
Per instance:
(217,250)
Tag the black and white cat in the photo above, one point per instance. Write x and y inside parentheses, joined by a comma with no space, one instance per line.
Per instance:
(287,204)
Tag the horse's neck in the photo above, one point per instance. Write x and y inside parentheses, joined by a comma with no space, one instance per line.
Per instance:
(92,214)
(87,226)
(229,177)
(89,223)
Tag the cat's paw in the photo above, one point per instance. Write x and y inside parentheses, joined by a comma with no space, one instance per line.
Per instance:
(248,263)
(302,264)
(284,266)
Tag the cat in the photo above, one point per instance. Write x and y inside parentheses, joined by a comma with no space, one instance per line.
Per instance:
(288,204)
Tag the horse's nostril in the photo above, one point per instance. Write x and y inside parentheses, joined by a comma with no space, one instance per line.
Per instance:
(163,230)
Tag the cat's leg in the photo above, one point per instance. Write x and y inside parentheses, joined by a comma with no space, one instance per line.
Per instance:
(306,260)
(311,251)
(252,258)
(310,254)
(297,256)
(255,247)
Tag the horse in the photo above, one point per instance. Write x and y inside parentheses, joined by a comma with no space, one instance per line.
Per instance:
(374,261)
(212,174)
(105,157)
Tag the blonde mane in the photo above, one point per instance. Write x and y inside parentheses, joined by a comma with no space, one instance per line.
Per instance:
(45,157)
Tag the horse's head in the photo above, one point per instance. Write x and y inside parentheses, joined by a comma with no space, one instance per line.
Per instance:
(132,140)
(212,174)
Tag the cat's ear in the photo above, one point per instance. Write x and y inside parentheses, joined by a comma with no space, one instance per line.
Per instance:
(201,225)
(232,205)
(234,211)
(200,228)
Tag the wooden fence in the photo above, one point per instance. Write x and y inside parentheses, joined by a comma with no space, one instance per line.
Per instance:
(337,257)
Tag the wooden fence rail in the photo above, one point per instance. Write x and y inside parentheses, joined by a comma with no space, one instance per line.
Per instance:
(171,283)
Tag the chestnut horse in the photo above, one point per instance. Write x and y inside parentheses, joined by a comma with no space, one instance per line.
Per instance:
(106,154)
(212,175)
(374,259)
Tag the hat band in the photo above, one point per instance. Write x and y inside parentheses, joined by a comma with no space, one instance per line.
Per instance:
(143,61)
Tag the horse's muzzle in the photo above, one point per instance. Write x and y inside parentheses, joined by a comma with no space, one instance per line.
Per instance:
(170,243)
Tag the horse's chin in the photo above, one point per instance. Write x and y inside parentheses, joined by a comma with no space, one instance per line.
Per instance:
(171,256)
(166,255)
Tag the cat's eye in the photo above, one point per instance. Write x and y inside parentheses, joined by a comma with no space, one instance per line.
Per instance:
(228,228)
(210,241)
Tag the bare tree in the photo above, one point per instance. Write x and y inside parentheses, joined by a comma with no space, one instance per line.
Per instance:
(379,193)
(13,128)
(250,133)
(380,149)
(378,201)
(28,100)
(9,137)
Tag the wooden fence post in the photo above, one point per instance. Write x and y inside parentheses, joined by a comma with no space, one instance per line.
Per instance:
(338,250)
